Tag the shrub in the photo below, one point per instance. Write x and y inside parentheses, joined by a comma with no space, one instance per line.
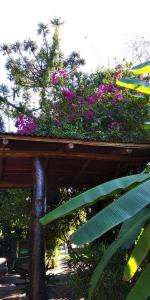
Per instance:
(83,261)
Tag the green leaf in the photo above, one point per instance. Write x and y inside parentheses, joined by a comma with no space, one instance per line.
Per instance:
(135,84)
(117,212)
(147,125)
(147,169)
(127,224)
(111,251)
(142,68)
(141,290)
(138,254)
(89,197)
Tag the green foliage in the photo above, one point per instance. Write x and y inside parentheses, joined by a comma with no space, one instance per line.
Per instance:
(58,232)
(83,261)
(15,207)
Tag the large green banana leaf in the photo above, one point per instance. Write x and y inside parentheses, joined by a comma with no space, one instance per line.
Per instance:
(139,252)
(141,290)
(112,250)
(89,197)
(142,68)
(135,84)
(126,225)
(115,213)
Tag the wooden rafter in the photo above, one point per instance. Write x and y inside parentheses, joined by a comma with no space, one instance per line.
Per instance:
(71,155)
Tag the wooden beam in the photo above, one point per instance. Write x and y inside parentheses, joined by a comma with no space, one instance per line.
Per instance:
(72,141)
(16,184)
(37,274)
(72,155)
(1,167)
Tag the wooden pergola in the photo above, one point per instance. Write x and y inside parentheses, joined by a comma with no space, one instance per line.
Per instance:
(41,162)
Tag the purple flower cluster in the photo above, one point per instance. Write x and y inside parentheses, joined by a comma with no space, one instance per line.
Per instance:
(115,125)
(118,73)
(88,114)
(92,99)
(57,122)
(25,125)
(104,89)
(76,105)
(57,76)
(117,97)
(68,94)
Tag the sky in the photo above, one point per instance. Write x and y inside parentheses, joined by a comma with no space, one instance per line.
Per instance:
(99,29)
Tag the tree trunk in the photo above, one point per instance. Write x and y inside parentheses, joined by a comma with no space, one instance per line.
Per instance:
(37,271)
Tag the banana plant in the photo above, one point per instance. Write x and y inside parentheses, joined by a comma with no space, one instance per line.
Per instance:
(130,209)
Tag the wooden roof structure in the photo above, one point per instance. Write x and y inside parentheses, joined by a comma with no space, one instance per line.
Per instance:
(41,162)
(67,162)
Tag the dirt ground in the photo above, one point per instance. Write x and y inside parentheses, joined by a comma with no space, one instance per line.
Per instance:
(13,287)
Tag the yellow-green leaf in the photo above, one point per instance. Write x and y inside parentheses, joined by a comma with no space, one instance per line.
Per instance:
(142,68)
(135,84)
(141,290)
(138,254)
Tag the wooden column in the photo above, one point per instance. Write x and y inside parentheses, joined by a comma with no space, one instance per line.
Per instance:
(37,271)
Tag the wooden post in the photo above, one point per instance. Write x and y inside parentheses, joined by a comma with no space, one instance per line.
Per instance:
(37,271)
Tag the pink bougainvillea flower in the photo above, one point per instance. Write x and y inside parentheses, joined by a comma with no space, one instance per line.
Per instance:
(119,96)
(71,118)
(104,89)
(57,122)
(118,72)
(88,114)
(68,94)
(54,78)
(114,101)
(74,106)
(92,99)
(63,73)
(25,125)
(115,125)
(57,76)
(81,99)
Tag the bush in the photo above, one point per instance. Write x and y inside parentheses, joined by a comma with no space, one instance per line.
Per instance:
(89,107)
(83,261)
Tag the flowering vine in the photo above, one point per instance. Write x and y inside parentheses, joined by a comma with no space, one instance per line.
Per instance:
(80,108)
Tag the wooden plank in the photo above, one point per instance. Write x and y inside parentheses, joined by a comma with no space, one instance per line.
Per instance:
(82,170)
(73,141)
(9,184)
(72,155)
